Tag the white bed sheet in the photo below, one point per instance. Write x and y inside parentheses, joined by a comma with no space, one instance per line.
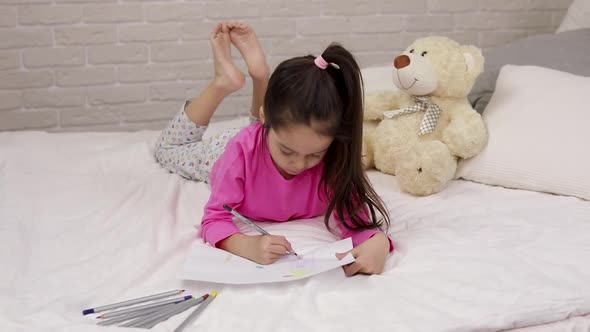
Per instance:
(88,219)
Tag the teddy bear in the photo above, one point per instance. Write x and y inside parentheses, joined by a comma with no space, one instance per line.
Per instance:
(420,131)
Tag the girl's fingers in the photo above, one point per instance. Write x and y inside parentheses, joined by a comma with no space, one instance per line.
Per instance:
(272,257)
(290,248)
(351,269)
(281,240)
(341,255)
(277,249)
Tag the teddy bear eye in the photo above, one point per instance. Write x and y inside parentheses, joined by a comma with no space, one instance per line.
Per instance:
(424,53)
(412,51)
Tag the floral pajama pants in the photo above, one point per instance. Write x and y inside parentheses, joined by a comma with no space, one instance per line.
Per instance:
(181,150)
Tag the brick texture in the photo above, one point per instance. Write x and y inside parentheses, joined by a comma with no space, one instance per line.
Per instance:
(86,35)
(108,54)
(76,77)
(173,52)
(77,65)
(173,12)
(10,100)
(54,98)
(9,59)
(25,79)
(7,16)
(116,95)
(43,14)
(112,13)
(24,37)
(28,119)
(53,57)
(149,32)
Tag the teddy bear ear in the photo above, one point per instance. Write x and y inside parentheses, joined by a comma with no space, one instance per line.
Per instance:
(473,59)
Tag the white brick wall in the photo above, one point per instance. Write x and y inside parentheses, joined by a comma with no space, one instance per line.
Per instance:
(128,65)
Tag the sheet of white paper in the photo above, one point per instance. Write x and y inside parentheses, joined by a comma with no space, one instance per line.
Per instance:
(205,263)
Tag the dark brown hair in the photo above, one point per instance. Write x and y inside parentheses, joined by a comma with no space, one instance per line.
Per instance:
(299,92)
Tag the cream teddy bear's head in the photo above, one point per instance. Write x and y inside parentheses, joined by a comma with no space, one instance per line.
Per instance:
(437,66)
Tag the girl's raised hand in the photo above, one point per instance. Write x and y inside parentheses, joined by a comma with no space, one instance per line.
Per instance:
(369,256)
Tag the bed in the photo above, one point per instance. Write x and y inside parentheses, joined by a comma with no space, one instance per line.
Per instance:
(91,218)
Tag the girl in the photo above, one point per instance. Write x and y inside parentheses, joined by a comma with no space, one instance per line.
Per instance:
(300,157)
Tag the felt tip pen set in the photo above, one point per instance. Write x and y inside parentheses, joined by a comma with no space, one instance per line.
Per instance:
(148,311)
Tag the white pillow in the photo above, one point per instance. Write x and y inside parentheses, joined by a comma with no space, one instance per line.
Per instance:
(539,133)
(577,16)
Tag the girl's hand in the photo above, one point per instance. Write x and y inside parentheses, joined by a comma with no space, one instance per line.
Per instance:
(369,256)
(262,249)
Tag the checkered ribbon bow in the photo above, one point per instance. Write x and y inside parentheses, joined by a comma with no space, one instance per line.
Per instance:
(422,104)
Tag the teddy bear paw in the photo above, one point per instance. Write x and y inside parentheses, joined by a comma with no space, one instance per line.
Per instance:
(426,168)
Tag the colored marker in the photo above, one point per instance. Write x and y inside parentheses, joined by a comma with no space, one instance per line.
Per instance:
(131,302)
(249,222)
(142,307)
(158,320)
(195,313)
(136,314)
(138,322)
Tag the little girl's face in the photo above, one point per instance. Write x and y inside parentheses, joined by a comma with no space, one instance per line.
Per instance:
(297,148)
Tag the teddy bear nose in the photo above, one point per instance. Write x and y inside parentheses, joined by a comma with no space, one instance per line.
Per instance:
(401,61)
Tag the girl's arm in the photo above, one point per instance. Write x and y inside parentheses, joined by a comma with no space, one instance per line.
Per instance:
(227,187)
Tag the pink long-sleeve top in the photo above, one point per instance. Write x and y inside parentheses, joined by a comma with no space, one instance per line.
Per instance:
(245,178)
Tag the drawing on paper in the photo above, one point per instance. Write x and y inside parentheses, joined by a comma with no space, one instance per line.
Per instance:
(205,263)
(297,273)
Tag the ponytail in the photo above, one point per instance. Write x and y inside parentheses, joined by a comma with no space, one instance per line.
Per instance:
(345,181)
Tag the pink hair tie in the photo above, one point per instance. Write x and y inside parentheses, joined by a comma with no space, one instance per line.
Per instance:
(320,62)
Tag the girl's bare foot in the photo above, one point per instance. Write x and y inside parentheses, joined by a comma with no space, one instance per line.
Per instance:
(244,39)
(227,76)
